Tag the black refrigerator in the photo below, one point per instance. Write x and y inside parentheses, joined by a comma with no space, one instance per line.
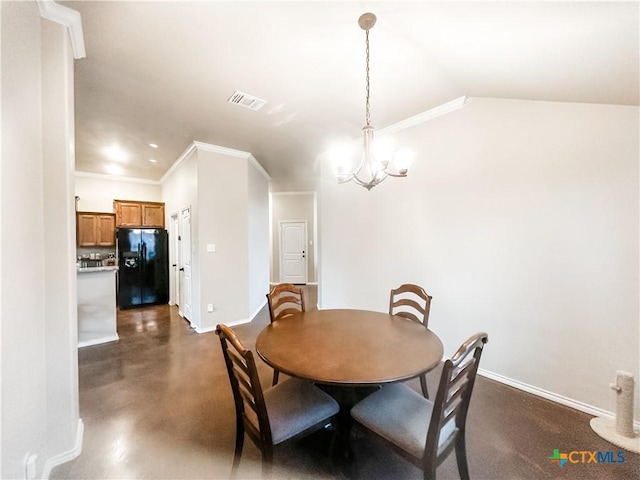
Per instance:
(143,261)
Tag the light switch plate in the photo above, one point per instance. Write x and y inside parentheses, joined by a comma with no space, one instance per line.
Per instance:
(211,247)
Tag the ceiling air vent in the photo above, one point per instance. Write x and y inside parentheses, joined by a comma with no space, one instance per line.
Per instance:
(246,100)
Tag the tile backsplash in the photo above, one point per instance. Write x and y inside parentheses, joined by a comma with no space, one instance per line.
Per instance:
(102,252)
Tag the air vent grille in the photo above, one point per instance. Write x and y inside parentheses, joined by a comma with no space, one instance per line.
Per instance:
(246,100)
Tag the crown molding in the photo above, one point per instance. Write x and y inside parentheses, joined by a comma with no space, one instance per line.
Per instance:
(116,178)
(259,167)
(208,147)
(424,116)
(190,149)
(68,18)
(411,121)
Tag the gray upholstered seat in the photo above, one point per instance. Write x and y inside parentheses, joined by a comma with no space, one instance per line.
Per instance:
(289,410)
(295,405)
(421,430)
(401,416)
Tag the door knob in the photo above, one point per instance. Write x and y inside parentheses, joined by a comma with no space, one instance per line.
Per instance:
(182,269)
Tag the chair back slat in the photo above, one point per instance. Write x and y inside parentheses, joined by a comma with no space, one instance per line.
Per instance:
(246,387)
(410,301)
(285,312)
(238,362)
(452,400)
(285,299)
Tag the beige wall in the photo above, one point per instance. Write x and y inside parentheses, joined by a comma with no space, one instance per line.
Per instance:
(180,191)
(223,201)
(258,246)
(97,193)
(39,374)
(228,197)
(521,219)
(293,206)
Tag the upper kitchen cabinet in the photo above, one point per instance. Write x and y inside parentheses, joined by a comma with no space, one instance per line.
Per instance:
(138,214)
(95,229)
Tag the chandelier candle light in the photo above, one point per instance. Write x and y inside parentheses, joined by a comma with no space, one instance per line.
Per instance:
(379,160)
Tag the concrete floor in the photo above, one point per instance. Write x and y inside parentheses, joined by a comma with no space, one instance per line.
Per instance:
(157,404)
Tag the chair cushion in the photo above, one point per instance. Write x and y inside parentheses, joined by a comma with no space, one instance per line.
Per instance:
(295,405)
(401,416)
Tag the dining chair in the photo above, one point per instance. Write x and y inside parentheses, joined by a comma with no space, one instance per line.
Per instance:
(288,411)
(412,302)
(284,300)
(425,432)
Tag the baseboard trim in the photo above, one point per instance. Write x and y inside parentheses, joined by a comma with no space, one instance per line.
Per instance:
(553,397)
(96,341)
(200,330)
(65,457)
(228,324)
(233,323)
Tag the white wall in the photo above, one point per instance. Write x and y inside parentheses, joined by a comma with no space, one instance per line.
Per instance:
(39,412)
(521,219)
(293,206)
(97,192)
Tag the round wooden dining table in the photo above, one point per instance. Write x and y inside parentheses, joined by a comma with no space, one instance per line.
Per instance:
(349,347)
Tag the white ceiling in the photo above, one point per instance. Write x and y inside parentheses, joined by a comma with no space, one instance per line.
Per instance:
(162,72)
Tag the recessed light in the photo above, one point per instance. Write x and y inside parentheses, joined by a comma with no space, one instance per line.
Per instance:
(114,152)
(153,145)
(152,160)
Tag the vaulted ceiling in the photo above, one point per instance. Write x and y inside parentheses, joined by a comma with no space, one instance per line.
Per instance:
(162,72)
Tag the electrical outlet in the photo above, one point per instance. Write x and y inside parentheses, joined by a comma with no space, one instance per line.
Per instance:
(210,307)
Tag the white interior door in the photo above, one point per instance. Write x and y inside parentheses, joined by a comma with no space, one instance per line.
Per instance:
(185,268)
(175,261)
(293,256)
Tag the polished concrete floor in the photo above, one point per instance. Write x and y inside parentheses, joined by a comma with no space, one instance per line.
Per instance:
(157,405)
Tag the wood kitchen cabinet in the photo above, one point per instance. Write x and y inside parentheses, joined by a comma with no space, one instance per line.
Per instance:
(94,229)
(138,214)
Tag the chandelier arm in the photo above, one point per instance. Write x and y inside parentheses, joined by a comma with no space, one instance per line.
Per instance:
(358,168)
(358,180)
(370,184)
(345,179)
(398,175)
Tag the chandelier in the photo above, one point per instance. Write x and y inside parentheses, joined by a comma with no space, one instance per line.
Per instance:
(379,159)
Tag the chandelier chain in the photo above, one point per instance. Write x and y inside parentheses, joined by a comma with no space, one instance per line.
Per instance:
(373,167)
(368,113)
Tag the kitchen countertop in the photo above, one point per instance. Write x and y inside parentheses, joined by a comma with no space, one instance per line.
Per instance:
(111,268)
